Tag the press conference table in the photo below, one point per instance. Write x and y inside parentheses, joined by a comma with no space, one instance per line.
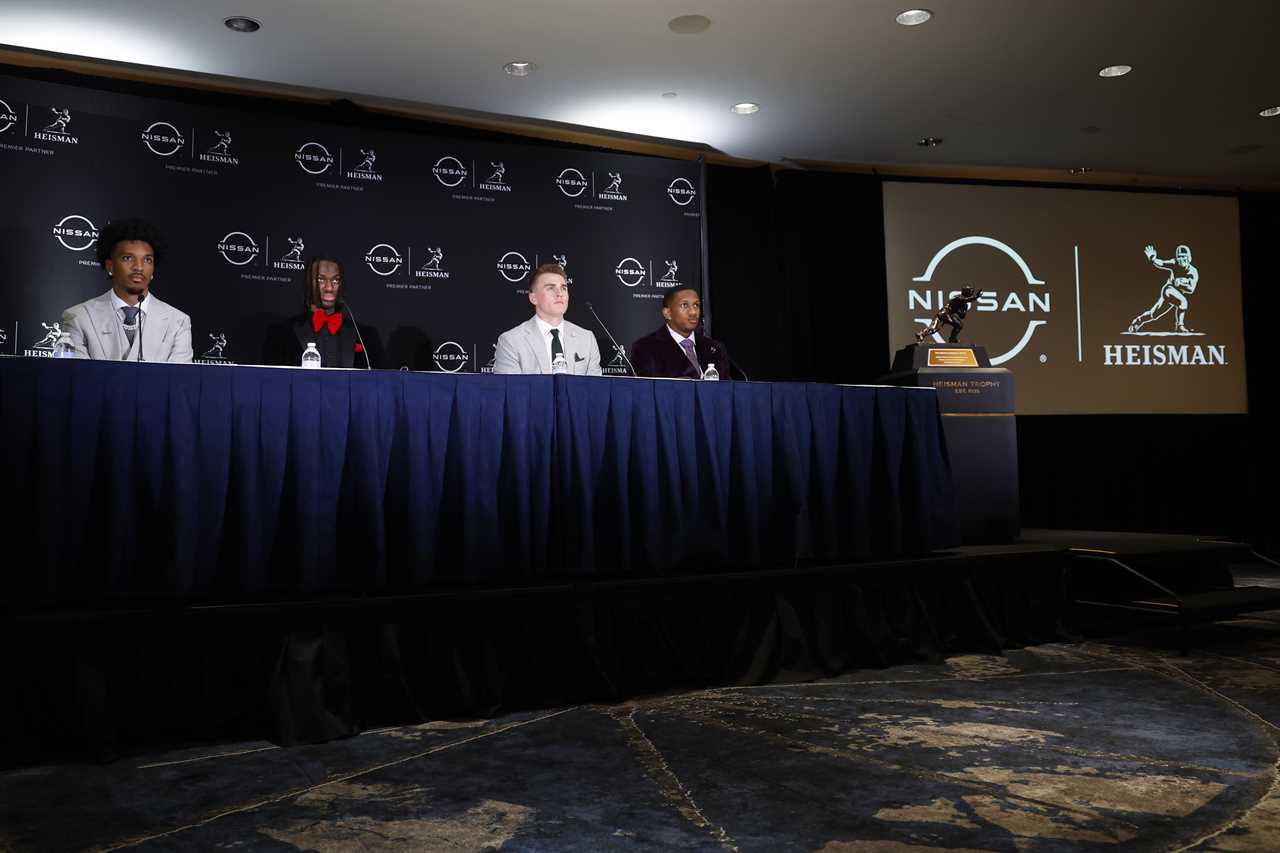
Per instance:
(189,483)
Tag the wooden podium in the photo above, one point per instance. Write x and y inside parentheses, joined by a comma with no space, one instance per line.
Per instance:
(976,401)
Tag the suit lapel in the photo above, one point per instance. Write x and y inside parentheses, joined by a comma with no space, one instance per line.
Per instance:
(111,340)
(534,340)
(155,326)
(708,353)
(302,331)
(346,344)
(576,346)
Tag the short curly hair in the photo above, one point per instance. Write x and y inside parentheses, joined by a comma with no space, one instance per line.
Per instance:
(130,229)
(669,298)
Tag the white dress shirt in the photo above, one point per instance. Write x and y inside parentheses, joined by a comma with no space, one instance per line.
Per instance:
(544,329)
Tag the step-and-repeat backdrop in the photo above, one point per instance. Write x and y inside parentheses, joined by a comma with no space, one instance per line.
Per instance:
(437,236)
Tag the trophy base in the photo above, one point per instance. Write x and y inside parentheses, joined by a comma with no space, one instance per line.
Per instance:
(976,404)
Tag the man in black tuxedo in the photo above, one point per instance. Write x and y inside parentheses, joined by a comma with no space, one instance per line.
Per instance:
(675,351)
(326,322)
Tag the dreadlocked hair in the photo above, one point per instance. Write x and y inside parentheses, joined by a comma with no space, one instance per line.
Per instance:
(311,284)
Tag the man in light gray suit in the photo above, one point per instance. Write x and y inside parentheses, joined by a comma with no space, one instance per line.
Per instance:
(126,323)
(532,346)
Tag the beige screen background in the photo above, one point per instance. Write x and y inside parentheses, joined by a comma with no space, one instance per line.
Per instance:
(1063,277)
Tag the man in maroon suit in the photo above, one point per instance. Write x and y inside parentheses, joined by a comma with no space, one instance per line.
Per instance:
(677,350)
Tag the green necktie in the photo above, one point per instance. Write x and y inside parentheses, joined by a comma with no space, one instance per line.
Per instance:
(556,348)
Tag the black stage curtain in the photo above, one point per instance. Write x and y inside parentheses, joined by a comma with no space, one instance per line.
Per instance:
(797,273)
(743,268)
(1259,228)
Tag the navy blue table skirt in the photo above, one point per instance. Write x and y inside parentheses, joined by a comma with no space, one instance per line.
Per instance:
(134,483)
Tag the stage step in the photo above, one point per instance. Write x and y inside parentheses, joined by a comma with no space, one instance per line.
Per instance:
(1189,582)
(1201,606)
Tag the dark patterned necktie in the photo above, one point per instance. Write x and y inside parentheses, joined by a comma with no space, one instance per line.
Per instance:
(130,321)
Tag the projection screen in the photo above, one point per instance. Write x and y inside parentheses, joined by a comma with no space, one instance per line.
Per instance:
(1100,302)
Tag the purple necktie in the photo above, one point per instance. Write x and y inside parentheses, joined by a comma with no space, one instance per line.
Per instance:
(687,346)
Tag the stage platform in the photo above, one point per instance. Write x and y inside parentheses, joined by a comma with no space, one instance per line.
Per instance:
(308,669)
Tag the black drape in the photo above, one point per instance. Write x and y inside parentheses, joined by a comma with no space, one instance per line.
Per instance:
(743,262)
(797,273)
(1259,228)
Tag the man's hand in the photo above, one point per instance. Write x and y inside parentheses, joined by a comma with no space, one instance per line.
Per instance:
(1150,252)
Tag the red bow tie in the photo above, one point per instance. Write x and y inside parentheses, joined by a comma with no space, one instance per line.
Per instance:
(319,319)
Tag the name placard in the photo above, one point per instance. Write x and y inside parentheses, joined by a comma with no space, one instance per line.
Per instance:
(958,357)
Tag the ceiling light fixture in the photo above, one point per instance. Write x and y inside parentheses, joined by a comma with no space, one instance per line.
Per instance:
(520,68)
(1115,70)
(929,141)
(1270,112)
(745,108)
(689,25)
(241,24)
(913,17)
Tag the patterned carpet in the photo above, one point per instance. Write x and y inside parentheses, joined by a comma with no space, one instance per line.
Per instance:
(1119,745)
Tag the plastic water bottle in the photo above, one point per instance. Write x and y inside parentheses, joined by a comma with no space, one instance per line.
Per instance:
(711,373)
(559,364)
(311,355)
(64,348)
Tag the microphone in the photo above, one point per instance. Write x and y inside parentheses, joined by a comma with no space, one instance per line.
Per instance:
(141,322)
(616,348)
(363,349)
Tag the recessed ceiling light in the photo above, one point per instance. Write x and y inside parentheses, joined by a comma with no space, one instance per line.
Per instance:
(1115,71)
(241,24)
(668,94)
(929,141)
(1079,170)
(520,68)
(745,108)
(689,24)
(913,17)
(1270,112)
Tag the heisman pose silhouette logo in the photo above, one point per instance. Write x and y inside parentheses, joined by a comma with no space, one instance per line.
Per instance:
(219,344)
(1179,284)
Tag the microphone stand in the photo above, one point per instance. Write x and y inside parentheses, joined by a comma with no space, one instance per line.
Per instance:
(363,349)
(616,348)
(141,321)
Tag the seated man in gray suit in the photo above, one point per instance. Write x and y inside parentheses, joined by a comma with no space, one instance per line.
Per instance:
(126,323)
(532,346)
